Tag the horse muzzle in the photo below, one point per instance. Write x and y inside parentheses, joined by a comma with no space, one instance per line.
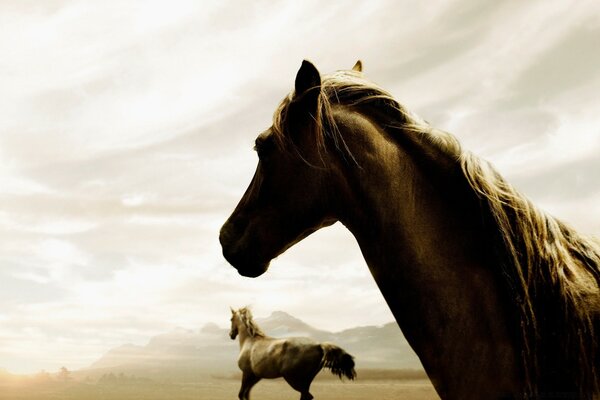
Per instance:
(252,271)
(244,264)
(240,256)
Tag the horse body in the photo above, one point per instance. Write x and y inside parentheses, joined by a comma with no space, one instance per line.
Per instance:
(297,360)
(460,334)
(273,358)
(497,299)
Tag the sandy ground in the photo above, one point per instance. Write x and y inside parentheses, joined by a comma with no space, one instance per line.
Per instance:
(226,390)
(381,390)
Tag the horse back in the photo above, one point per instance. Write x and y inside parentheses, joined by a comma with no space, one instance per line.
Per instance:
(273,358)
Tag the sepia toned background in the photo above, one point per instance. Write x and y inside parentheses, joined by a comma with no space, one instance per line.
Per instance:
(126,132)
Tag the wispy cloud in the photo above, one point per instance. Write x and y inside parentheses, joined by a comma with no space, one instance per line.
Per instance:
(125,141)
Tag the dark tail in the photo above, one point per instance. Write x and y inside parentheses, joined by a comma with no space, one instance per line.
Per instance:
(338,361)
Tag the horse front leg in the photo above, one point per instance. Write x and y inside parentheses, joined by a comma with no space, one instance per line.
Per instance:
(248,380)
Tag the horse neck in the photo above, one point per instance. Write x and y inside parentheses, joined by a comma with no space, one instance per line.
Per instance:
(401,180)
(243,335)
(418,227)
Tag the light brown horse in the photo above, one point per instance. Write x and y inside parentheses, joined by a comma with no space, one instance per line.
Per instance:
(297,360)
(497,298)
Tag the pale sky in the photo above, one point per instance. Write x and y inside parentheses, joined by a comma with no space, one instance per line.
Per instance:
(126,131)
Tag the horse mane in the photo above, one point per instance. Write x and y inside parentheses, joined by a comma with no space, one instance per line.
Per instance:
(351,89)
(551,272)
(247,319)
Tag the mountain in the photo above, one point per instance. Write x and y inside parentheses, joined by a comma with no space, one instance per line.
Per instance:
(282,324)
(186,354)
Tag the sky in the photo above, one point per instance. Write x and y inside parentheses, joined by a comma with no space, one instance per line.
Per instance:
(126,132)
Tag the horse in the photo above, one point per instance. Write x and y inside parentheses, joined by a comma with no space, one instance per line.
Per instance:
(297,360)
(497,298)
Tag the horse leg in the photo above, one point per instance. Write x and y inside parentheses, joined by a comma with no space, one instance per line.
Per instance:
(301,384)
(248,380)
(301,375)
(306,396)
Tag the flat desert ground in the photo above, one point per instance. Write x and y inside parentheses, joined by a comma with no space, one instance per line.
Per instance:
(224,390)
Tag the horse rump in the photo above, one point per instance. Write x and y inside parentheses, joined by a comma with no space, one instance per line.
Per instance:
(338,361)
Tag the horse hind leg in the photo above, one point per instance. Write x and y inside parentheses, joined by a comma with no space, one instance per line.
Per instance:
(306,396)
(301,373)
(301,384)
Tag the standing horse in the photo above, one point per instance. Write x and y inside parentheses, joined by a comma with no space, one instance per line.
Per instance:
(497,298)
(297,360)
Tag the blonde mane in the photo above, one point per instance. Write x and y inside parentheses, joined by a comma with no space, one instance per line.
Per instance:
(252,329)
(551,272)
(351,89)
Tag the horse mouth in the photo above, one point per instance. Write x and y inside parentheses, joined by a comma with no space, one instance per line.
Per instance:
(246,265)
(252,271)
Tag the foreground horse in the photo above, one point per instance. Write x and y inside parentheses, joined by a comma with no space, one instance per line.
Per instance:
(297,360)
(497,298)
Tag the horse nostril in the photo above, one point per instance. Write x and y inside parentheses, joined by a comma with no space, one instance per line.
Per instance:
(231,232)
(232,240)
(223,235)
(231,229)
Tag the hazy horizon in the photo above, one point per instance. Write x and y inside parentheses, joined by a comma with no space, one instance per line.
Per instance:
(126,141)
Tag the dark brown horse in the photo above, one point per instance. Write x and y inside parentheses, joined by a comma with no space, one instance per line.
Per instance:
(497,298)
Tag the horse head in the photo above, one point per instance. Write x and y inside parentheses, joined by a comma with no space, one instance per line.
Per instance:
(235,321)
(290,194)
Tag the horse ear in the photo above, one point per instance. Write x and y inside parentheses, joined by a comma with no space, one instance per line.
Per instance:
(358,66)
(304,105)
(232,310)
(307,79)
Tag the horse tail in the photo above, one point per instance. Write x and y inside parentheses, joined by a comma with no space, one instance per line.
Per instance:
(338,361)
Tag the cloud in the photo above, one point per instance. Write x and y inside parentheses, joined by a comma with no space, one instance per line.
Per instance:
(126,135)
(565,66)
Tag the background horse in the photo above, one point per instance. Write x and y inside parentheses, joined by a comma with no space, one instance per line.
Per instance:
(497,298)
(297,360)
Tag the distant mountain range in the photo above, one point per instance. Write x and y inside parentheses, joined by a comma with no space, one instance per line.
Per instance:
(186,354)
